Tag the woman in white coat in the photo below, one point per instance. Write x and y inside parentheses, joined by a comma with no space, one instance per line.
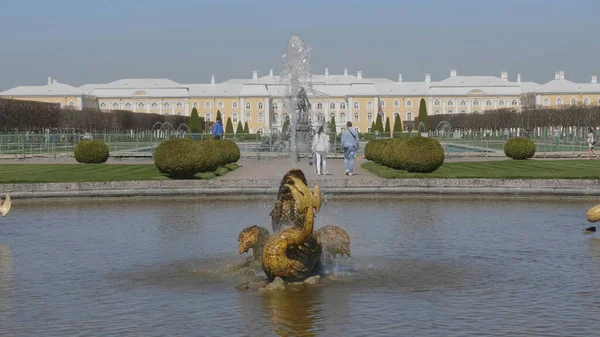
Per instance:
(320,147)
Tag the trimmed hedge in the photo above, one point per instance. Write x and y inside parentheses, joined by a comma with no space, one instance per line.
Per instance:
(418,154)
(91,151)
(519,148)
(183,158)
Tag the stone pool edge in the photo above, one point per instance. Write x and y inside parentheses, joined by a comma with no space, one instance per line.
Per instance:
(332,187)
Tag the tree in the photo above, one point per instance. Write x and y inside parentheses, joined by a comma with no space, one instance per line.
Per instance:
(373,126)
(423,118)
(240,128)
(285,129)
(379,124)
(229,126)
(397,124)
(387,125)
(219,116)
(332,128)
(246,129)
(195,123)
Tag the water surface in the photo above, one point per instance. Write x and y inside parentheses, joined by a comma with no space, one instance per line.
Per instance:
(420,267)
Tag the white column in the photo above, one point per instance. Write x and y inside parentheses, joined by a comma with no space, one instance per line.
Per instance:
(187,107)
(79,102)
(376,108)
(173,104)
(161,106)
(267,114)
(147,106)
(538,100)
(242,110)
(326,110)
(431,109)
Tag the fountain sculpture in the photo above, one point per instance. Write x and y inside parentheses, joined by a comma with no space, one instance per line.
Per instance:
(5,205)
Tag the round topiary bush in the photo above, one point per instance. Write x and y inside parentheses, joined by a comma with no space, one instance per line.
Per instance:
(519,148)
(232,150)
(91,151)
(209,152)
(178,158)
(421,154)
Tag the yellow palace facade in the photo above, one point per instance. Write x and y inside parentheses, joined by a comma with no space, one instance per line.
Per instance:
(347,97)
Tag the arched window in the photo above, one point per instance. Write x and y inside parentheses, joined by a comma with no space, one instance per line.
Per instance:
(248,119)
(166,105)
(342,118)
(463,103)
(476,103)
(409,103)
(514,102)
(115,105)
(320,118)
(234,105)
(260,117)
(179,105)
(154,105)
(220,105)
(102,105)
(275,106)
(369,105)
(501,103)
(450,103)
(396,103)
(332,105)
(573,101)
(559,101)
(488,103)
(260,131)
(343,105)
(127,105)
(409,116)
(71,104)
(260,106)
(207,117)
(332,115)
(140,105)
(546,101)
(275,118)
(195,105)
(370,117)
(207,105)
(382,103)
(234,117)
(586,101)
(356,117)
(356,105)
(436,102)
(396,114)
(319,106)
(248,106)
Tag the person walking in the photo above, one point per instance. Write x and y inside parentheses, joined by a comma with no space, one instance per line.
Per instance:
(591,140)
(217,129)
(320,147)
(350,145)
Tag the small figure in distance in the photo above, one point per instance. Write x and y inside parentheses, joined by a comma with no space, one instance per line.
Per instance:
(591,140)
(217,129)
(350,145)
(320,147)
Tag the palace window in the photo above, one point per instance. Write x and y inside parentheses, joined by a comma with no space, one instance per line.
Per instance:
(115,105)
(332,105)
(234,105)
(343,105)
(342,118)
(436,102)
(166,105)
(382,103)
(476,103)
(332,115)
(369,105)
(140,105)
(234,117)
(321,118)
(573,101)
(463,103)
(179,105)
(319,106)
(260,131)
(450,103)
(501,103)
(248,106)
(559,101)
(102,105)
(154,105)
(356,105)
(260,106)
(396,103)
(586,101)
(409,116)
(396,114)
(60,104)
(514,102)
(206,105)
(275,118)
(275,106)
(260,117)
(71,104)
(356,117)
(248,119)
(488,103)
(546,101)
(370,117)
(127,105)
(207,117)
(220,105)
(409,103)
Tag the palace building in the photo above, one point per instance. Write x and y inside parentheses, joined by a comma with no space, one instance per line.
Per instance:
(346,97)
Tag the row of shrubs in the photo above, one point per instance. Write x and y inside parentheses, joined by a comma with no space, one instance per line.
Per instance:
(181,158)
(418,154)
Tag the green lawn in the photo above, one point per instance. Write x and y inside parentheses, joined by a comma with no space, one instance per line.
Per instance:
(506,169)
(42,173)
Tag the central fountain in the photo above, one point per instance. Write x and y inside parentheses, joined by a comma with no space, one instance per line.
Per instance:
(295,79)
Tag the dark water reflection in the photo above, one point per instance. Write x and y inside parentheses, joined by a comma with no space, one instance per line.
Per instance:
(420,267)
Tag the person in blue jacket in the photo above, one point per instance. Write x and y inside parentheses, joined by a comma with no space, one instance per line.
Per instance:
(217,129)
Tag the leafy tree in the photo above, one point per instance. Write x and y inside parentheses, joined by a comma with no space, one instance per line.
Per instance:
(397,124)
(379,124)
(246,128)
(387,125)
(229,126)
(219,116)
(373,126)
(195,123)
(240,128)
(331,126)
(423,118)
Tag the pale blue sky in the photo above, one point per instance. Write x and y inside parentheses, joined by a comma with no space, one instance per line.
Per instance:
(82,42)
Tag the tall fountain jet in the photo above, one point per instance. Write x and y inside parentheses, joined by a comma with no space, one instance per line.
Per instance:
(294,80)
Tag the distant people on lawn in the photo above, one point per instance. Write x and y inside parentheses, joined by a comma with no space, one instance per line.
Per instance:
(350,145)
(217,129)
(320,148)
